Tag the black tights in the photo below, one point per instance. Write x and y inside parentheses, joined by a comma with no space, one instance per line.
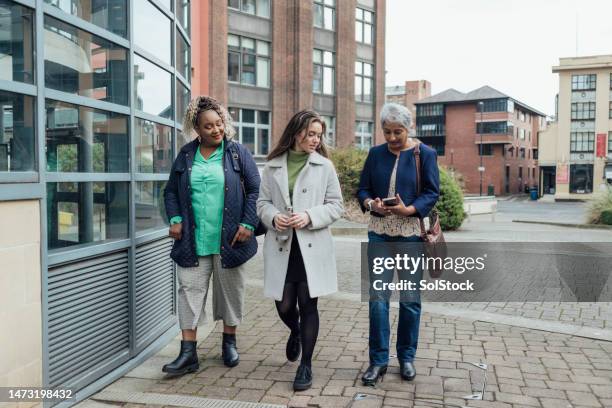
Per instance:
(306,321)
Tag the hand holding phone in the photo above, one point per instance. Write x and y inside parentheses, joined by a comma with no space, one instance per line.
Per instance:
(390,201)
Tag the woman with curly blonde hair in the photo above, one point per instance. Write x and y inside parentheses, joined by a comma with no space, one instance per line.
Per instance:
(210,201)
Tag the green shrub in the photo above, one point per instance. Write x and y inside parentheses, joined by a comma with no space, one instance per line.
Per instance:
(450,203)
(606,217)
(600,209)
(349,163)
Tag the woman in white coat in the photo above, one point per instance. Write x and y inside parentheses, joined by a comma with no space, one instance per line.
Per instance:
(299,198)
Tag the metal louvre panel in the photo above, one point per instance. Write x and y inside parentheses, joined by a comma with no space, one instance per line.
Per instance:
(88,318)
(155,293)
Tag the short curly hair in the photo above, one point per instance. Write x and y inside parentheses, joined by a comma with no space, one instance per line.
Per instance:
(201,104)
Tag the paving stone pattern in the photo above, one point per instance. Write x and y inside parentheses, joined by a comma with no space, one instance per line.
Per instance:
(526,368)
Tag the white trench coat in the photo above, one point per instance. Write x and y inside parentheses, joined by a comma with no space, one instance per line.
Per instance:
(316,192)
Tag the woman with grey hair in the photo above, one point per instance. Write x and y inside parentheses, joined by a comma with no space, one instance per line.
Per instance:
(210,201)
(389,190)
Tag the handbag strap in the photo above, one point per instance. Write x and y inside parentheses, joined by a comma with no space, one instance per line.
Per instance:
(417,158)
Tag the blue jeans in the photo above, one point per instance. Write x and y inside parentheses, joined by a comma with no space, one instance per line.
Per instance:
(409,317)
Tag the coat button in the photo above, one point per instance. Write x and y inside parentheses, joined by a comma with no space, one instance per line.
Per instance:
(304,190)
(225,208)
(222,247)
(309,245)
(197,263)
(280,249)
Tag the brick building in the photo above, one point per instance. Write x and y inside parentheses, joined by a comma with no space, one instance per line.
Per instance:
(455,123)
(408,94)
(269,59)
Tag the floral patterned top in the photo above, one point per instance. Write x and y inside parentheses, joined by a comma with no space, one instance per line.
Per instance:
(394,225)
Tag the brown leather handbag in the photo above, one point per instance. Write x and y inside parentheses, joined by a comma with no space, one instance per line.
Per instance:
(435,245)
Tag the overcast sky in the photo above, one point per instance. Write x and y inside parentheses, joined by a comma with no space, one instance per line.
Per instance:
(510,45)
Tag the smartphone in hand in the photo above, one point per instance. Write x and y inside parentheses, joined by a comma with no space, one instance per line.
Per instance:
(390,201)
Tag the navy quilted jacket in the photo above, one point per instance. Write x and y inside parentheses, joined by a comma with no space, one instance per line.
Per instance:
(241,192)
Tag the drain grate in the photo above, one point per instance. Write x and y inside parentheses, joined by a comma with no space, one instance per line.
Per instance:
(176,400)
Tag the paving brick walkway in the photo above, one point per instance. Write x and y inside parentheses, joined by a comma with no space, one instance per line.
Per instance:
(525,368)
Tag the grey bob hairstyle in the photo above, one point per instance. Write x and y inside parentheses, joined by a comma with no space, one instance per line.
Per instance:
(397,114)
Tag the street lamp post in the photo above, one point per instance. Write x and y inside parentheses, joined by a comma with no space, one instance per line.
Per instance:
(481,169)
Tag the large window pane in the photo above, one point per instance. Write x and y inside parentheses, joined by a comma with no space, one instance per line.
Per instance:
(183,14)
(183,138)
(248,69)
(152,30)
(233,66)
(80,63)
(581,178)
(248,138)
(81,213)
(108,14)
(183,96)
(150,208)
(153,144)
(81,139)
(152,87)
(263,69)
(16,43)
(262,141)
(17,138)
(183,63)
(328,81)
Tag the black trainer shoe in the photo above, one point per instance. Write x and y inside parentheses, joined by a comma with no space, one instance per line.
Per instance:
(303,378)
(294,347)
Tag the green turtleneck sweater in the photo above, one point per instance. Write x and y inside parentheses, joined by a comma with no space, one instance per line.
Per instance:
(295,163)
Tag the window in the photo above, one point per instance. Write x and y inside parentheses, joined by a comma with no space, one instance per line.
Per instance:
(583,110)
(81,63)
(581,178)
(584,82)
(323,76)
(324,13)
(363,134)
(183,96)
(364,26)
(153,145)
(494,105)
(111,16)
(152,88)
(494,127)
(609,143)
(430,110)
(182,11)
(330,126)
(183,56)
(17,137)
(485,150)
(85,140)
(521,134)
(610,108)
(259,8)
(86,212)
(520,172)
(149,206)
(364,80)
(248,61)
(582,142)
(152,30)
(16,43)
(253,129)
(522,152)
(430,129)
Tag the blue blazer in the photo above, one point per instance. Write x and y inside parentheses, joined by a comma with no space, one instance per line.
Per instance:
(376,173)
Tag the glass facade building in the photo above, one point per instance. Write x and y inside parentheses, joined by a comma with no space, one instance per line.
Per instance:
(91,99)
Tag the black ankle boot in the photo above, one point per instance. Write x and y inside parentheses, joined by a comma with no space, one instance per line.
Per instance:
(373,373)
(229,353)
(303,378)
(294,347)
(407,370)
(186,362)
